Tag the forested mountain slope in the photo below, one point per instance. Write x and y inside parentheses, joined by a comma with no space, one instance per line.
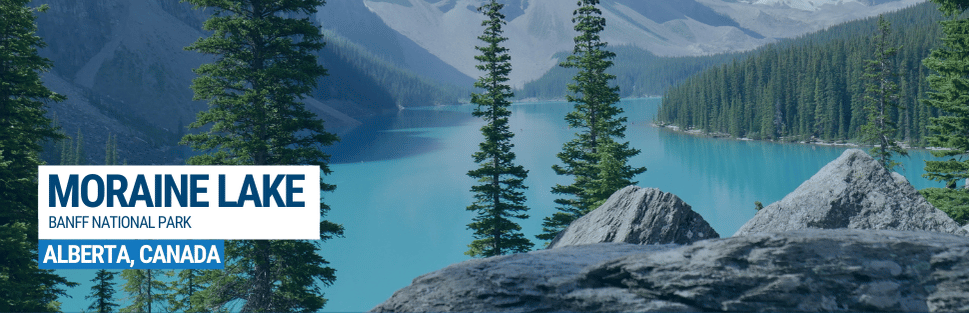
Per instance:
(639,73)
(360,83)
(810,87)
(123,66)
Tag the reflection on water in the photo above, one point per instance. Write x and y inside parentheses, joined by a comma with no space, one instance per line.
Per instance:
(393,136)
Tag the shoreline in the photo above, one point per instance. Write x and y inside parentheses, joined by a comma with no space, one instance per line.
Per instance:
(534,99)
(816,142)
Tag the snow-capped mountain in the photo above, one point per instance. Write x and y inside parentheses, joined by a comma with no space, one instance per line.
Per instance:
(790,18)
(810,5)
(538,29)
(806,5)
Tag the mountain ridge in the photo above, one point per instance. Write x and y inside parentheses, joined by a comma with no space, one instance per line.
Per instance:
(538,29)
(125,68)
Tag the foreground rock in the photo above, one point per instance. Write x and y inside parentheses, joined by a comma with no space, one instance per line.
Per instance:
(853,191)
(805,270)
(637,216)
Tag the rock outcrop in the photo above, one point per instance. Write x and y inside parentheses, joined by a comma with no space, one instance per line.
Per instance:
(638,216)
(853,191)
(803,270)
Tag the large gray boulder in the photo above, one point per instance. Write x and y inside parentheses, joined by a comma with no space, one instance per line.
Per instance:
(533,281)
(853,191)
(804,270)
(638,216)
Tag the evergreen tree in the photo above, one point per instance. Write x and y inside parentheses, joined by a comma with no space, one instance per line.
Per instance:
(597,117)
(950,87)
(185,295)
(102,292)
(72,149)
(497,196)
(812,87)
(882,96)
(77,156)
(611,173)
(23,127)
(144,290)
(954,202)
(66,147)
(111,150)
(264,64)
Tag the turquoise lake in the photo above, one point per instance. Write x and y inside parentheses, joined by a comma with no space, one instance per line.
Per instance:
(402,190)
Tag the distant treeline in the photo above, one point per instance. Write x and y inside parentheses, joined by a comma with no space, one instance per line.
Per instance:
(638,73)
(812,86)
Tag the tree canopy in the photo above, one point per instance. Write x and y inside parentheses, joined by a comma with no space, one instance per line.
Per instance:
(265,63)
(102,292)
(498,195)
(23,127)
(882,96)
(812,87)
(599,125)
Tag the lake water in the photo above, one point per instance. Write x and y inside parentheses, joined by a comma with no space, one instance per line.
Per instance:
(402,189)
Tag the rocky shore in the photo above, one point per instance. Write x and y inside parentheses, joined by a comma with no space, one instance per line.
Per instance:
(852,238)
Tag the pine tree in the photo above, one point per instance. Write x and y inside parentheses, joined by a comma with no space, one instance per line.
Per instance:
(265,63)
(497,196)
(950,87)
(72,150)
(882,96)
(597,117)
(78,156)
(611,173)
(66,147)
(102,292)
(186,290)
(23,127)
(144,289)
(111,150)
(817,84)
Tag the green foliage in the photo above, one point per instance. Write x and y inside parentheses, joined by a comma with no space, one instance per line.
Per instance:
(882,96)
(812,87)
(111,150)
(185,295)
(498,195)
(758,206)
(102,292)
(72,150)
(610,173)
(952,7)
(144,290)
(24,287)
(23,127)
(594,158)
(264,63)
(954,202)
(950,91)
(293,268)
